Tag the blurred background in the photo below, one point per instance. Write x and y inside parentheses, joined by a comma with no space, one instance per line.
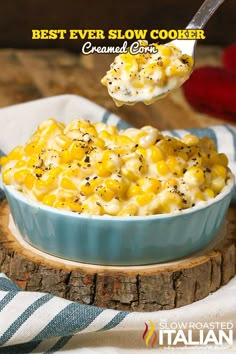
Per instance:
(19,17)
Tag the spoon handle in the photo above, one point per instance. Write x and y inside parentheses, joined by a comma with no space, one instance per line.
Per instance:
(204,13)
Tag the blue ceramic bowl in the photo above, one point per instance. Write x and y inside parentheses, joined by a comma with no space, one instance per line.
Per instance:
(109,240)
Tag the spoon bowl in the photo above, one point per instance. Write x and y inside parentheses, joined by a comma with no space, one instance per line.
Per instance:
(138,85)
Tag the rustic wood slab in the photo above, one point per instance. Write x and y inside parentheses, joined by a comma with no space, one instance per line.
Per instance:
(137,288)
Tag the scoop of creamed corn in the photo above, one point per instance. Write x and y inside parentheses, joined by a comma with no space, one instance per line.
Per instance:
(94,168)
(147,76)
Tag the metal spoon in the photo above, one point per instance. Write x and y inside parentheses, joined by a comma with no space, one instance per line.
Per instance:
(185,46)
(199,20)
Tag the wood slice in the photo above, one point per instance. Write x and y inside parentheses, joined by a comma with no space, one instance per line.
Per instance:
(136,288)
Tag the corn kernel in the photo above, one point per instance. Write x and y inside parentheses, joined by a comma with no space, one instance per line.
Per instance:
(66,194)
(170,183)
(174,165)
(194,176)
(209,193)
(115,186)
(39,195)
(123,140)
(87,189)
(207,143)
(105,135)
(154,185)
(101,171)
(54,172)
(38,172)
(139,136)
(141,151)
(156,154)
(77,151)
(170,201)
(129,210)
(165,50)
(218,170)
(20,164)
(60,205)
(190,139)
(199,196)
(223,159)
(65,156)
(217,184)
(52,130)
(145,198)
(166,147)
(98,142)
(7,176)
(19,175)
(42,185)
(162,168)
(49,199)
(121,149)
(138,84)
(63,141)
(75,207)
(4,160)
(33,148)
(29,181)
(140,59)
(175,70)
(105,193)
(34,161)
(133,190)
(67,183)
(110,161)
(183,155)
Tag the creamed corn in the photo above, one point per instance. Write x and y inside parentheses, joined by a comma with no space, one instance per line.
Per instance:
(94,168)
(144,77)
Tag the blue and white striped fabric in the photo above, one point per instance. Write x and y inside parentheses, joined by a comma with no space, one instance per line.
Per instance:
(26,319)
(33,322)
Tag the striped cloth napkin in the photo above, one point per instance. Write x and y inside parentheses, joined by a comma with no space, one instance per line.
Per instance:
(42,323)
(33,322)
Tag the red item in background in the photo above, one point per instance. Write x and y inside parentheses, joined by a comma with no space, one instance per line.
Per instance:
(229,58)
(212,90)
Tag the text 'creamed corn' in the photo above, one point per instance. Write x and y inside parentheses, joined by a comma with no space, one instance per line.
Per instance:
(94,168)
